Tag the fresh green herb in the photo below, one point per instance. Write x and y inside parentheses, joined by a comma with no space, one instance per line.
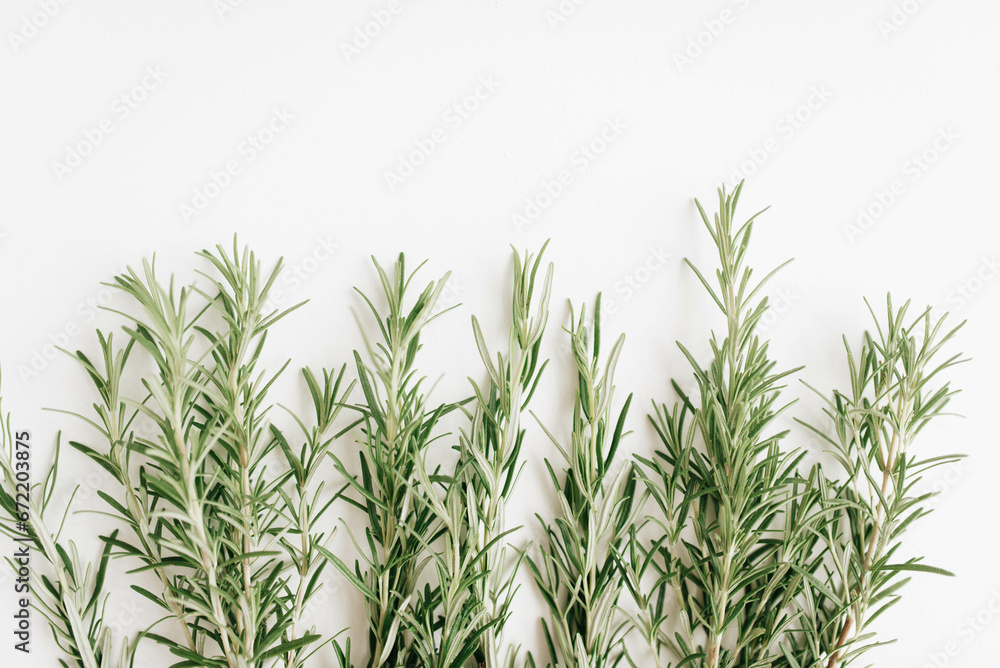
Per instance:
(733,583)
(398,425)
(769,566)
(578,573)
(464,613)
(490,450)
(892,397)
(212,505)
(206,514)
(742,560)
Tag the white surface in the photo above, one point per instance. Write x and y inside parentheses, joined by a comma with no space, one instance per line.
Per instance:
(209,79)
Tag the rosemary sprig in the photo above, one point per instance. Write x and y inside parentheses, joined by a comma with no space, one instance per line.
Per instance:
(461,616)
(206,514)
(770,566)
(734,482)
(891,398)
(578,572)
(302,500)
(189,529)
(490,450)
(114,422)
(398,425)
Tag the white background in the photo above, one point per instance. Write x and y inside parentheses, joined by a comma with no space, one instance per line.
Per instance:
(824,107)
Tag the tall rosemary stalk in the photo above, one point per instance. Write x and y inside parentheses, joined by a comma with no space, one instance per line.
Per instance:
(578,573)
(398,425)
(734,480)
(180,463)
(206,515)
(114,421)
(891,398)
(782,568)
(490,450)
(303,501)
(235,395)
(461,615)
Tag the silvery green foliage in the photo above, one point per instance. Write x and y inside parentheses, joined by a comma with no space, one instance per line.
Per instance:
(725,482)
(303,500)
(895,391)
(204,514)
(578,572)
(398,425)
(463,614)
(490,450)
(743,559)
(768,565)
